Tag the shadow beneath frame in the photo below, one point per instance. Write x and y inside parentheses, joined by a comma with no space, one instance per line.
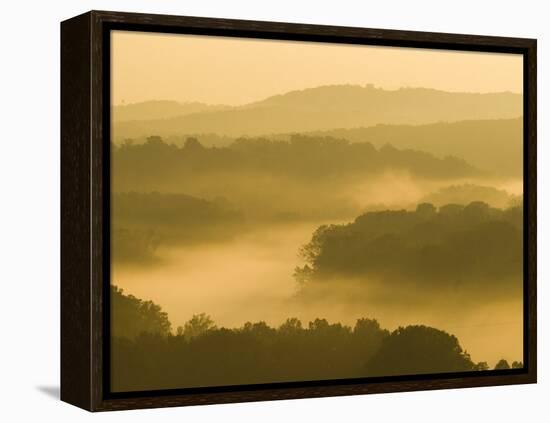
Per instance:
(50,391)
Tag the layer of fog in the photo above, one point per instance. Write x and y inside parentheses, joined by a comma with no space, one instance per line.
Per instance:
(400,189)
(250,279)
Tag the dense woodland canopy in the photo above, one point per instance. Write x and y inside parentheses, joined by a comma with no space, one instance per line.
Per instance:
(304,157)
(165,194)
(201,354)
(470,242)
(143,221)
(492,145)
(465,248)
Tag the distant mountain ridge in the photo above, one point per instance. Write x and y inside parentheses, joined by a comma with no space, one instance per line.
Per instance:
(321,108)
(160,109)
(494,145)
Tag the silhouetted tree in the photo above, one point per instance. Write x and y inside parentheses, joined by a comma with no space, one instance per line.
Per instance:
(502,365)
(426,210)
(481,366)
(517,365)
(193,144)
(131,316)
(416,350)
(198,325)
(291,325)
(302,274)
(153,140)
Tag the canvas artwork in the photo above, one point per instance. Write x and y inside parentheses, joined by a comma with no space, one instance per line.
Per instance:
(290,211)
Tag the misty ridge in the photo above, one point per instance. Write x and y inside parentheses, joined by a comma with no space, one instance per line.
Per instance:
(493,145)
(467,193)
(148,354)
(454,250)
(142,222)
(302,158)
(483,129)
(193,193)
(322,108)
(160,109)
(340,202)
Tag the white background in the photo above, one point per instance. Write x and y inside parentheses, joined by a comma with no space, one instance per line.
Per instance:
(29,239)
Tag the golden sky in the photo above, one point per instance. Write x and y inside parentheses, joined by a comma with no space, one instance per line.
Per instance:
(224,70)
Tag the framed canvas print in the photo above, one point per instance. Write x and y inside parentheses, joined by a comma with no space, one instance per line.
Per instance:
(256,211)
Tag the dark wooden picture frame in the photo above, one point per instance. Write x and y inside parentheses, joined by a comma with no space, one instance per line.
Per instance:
(85,191)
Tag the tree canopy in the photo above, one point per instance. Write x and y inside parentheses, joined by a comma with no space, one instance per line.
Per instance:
(131,316)
(417,350)
(147,355)
(301,156)
(453,246)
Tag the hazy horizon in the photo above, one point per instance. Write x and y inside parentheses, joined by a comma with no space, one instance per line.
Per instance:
(277,94)
(274,182)
(217,70)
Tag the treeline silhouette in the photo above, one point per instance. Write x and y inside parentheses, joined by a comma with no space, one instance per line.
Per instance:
(303,179)
(143,221)
(465,194)
(172,168)
(132,316)
(493,145)
(201,354)
(427,249)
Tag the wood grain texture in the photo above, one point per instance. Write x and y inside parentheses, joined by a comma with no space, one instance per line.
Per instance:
(100,193)
(294,31)
(76,327)
(85,193)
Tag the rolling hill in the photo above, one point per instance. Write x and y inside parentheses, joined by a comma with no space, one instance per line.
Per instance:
(493,145)
(321,108)
(160,109)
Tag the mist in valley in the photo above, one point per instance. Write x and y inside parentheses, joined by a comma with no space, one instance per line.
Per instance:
(233,255)
(365,225)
